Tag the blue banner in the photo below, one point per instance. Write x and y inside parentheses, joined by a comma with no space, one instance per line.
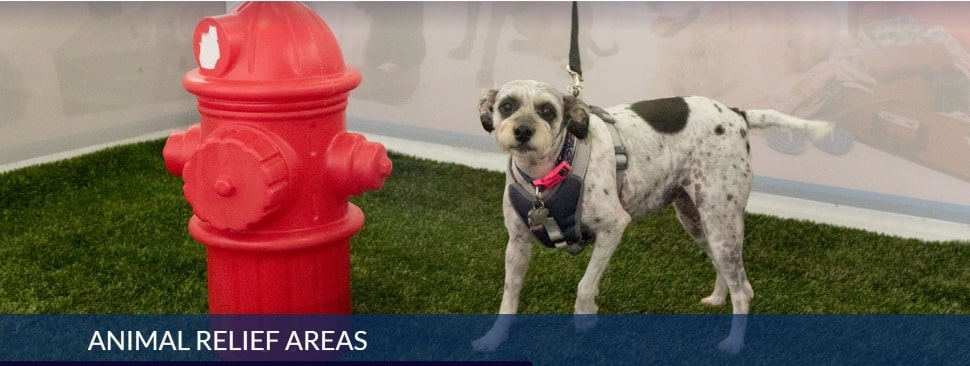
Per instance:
(533,339)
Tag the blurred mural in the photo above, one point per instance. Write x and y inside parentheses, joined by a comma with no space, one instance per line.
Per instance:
(13,91)
(75,74)
(535,33)
(124,55)
(893,76)
(393,52)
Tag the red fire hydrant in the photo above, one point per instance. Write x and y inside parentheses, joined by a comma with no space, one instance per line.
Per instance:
(270,167)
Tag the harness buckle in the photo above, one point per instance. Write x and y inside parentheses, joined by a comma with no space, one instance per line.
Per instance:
(621,159)
(555,176)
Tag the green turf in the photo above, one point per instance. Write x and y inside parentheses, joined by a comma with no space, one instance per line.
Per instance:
(106,233)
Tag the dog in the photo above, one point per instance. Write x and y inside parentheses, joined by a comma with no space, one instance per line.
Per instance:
(692,152)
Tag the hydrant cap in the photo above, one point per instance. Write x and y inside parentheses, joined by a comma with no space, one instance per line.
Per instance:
(263,50)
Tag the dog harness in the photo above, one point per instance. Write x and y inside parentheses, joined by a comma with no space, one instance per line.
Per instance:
(552,208)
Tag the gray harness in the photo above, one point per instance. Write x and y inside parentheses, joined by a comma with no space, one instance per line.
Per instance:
(554,215)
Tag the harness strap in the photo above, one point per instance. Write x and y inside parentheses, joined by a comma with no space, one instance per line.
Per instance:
(618,149)
(555,233)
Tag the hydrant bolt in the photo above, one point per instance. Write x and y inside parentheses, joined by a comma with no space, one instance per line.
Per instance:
(224,186)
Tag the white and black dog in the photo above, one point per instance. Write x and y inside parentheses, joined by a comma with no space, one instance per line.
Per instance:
(692,152)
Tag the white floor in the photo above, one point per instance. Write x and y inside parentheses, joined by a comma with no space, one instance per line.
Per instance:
(85,150)
(787,207)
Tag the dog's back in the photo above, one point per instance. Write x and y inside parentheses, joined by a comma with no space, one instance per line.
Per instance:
(686,143)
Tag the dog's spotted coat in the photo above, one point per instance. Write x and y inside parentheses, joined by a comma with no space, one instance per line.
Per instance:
(691,152)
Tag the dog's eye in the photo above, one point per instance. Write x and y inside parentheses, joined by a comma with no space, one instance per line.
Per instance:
(547,112)
(506,108)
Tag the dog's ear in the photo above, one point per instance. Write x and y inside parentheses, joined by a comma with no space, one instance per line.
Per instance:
(485,109)
(575,116)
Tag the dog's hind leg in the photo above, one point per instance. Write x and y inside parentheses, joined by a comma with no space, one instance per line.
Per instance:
(715,209)
(691,221)
(720,286)
(725,235)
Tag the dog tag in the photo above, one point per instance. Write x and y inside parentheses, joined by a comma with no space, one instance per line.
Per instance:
(537,217)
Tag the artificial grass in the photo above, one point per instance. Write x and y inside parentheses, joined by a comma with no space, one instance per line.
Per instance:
(106,233)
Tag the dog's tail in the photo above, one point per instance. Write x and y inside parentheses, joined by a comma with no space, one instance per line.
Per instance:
(762,118)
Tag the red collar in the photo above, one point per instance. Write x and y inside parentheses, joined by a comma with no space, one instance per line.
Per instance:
(559,173)
(554,177)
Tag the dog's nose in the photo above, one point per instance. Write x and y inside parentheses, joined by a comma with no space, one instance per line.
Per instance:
(523,133)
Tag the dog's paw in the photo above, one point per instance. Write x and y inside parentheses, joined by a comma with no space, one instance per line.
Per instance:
(731,345)
(584,322)
(489,342)
(713,300)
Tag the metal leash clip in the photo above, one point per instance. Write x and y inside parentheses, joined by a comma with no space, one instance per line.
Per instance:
(577,81)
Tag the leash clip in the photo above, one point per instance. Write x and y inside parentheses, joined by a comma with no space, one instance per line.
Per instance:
(577,81)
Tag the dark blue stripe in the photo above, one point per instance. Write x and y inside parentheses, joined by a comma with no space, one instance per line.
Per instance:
(277,363)
(538,339)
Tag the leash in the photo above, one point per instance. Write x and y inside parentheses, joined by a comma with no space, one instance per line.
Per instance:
(574,68)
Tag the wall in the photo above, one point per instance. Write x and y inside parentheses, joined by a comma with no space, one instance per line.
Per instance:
(77,74)
(893,76)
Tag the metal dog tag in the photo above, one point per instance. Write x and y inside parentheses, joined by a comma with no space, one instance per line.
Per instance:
(537,217)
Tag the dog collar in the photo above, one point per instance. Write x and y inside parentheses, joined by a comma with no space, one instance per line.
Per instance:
(559,173)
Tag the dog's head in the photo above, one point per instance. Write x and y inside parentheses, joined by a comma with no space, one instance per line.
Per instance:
(530,118)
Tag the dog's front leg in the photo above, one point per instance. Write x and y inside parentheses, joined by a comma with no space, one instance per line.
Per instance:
(517,255)
(606,243)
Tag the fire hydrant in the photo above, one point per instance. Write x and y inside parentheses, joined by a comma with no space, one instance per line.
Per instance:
(270,167)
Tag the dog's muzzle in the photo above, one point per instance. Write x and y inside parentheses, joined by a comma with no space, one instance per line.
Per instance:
(523,133)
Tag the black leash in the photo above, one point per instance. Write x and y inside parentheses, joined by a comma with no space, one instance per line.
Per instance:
(576,71)
(575,68)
